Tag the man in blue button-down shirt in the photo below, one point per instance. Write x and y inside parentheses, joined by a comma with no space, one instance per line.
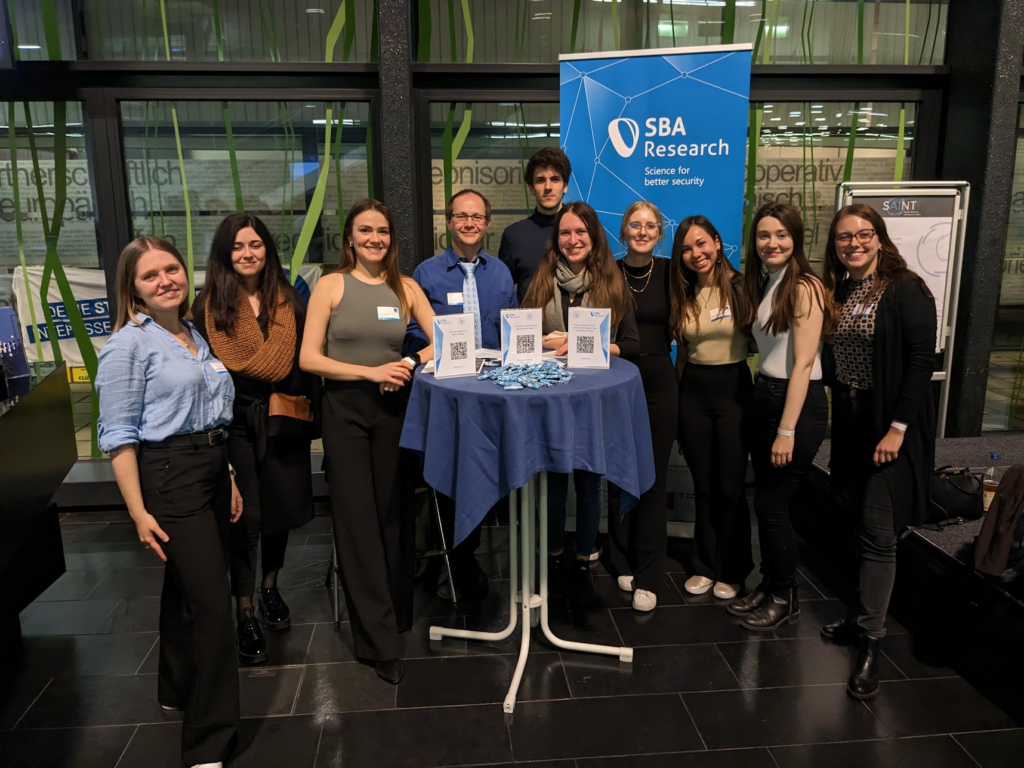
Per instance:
(446,280)
(461,279)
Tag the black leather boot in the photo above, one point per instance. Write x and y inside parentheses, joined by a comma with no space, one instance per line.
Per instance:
(780,606)
(581,582)
(745,605)
(863,682)
(842,632)
(390,671)
(252,647)
(273,609)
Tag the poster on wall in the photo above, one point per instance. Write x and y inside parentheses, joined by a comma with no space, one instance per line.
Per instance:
(89,288)
(668,126)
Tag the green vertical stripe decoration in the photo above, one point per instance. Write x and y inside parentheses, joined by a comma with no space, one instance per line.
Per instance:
(374,34)
(728,22)
(349,9)
(337,166)
(51,28)
(615,25)
(446,143)
(760,30)
(316,205)
(217,30)
(672,21)
(12,145)
(189,252)
(453,49)
(15,51)
(575,25)
(860,31)
(770,31)
(851,143)
(425,23)
(901,132)
(236,180)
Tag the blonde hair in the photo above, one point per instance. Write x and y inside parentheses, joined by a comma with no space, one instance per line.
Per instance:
(633,208)
(128,303)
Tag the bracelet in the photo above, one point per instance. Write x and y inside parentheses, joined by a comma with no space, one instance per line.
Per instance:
(411,361)
(899,426)
(786,432)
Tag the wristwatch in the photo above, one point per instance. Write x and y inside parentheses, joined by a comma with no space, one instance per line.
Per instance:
(413,360)
(786,432)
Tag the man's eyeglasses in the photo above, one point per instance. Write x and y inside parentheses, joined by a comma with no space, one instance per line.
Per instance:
(636,226)
(462,218)
(863,237)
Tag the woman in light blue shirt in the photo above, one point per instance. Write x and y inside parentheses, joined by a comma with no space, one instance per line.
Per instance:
(164,404)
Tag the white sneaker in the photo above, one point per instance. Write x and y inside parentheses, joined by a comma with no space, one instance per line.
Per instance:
(625,583)
(725,591)
(644,600)
(698,585)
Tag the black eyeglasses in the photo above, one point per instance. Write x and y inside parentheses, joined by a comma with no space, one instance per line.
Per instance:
(863,237)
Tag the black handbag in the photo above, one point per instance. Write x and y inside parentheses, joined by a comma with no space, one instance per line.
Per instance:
(955,495)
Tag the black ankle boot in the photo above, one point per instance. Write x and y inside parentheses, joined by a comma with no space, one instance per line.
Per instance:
(390,671)
(779,607)
(745,605)
(273,609)
(863,682)
(842,632)
(556,577)
(582,583)
(252,647)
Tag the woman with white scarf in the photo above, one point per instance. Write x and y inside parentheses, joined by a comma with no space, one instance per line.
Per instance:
(579,270)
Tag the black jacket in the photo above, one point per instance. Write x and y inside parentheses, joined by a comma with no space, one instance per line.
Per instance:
(904,360)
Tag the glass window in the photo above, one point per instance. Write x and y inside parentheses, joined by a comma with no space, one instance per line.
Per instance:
(500,139)
(790,32)
(1004,397)
(801,154)
(260,157)
(48,237)
(227,30)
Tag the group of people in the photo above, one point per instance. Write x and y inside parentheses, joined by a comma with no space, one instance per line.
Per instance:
(208,411)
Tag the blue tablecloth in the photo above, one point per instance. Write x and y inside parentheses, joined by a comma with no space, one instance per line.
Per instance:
(480,442)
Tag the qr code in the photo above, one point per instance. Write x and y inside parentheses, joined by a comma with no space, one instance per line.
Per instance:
(460,350)
(584,345)
(524,345)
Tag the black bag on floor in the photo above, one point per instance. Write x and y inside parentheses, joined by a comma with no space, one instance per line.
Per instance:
(956,494)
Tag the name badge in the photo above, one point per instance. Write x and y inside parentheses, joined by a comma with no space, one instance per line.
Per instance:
(388,313)
(218,366)
(454,299)
(719,313)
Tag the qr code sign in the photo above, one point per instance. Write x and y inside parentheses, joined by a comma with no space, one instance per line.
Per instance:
(460,350)
(525,345)
(584,345)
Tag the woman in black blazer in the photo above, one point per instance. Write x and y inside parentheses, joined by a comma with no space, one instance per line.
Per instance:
(879,361)
(253,318)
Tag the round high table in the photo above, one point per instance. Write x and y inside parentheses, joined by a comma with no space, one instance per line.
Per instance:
(480,443)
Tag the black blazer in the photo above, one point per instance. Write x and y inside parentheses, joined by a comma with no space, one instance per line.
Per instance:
(904,360)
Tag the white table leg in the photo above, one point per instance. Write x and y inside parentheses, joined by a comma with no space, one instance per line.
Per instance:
(624,654)
(437,633)
(526,500)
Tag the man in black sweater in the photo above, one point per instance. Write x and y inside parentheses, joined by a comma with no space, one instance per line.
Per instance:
(524,243)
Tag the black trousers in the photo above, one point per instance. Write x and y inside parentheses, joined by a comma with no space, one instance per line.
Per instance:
(373,516)
(249,533)
(188,491)
(713,400)
(774,488)
(639,540)
(864,488)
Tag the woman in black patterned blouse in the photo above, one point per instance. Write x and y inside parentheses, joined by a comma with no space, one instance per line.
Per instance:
(883,419)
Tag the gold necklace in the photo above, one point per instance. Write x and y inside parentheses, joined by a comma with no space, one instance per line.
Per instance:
(627,276)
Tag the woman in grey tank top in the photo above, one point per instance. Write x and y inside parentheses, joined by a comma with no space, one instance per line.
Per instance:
(355,325)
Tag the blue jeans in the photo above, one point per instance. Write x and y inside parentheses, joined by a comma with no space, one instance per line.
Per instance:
(588,510)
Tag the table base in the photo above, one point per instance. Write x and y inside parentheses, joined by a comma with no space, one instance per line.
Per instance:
(531,603)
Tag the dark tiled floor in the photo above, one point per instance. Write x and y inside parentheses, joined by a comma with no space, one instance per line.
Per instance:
(700,691)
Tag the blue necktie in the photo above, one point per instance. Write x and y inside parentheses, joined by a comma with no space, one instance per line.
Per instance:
(470,298)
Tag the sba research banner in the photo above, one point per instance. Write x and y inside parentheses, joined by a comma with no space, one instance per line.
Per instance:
(669,126)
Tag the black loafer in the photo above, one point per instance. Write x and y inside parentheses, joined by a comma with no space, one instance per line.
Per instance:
(252,646)
(273,609)
(390,671)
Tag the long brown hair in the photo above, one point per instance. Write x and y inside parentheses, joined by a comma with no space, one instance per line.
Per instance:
(891,265)
(606,287)
(683,280)
(222,281)
(128,302)
(392,274)
(797,270)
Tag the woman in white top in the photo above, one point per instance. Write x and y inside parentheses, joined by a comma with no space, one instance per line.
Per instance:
(787,311)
